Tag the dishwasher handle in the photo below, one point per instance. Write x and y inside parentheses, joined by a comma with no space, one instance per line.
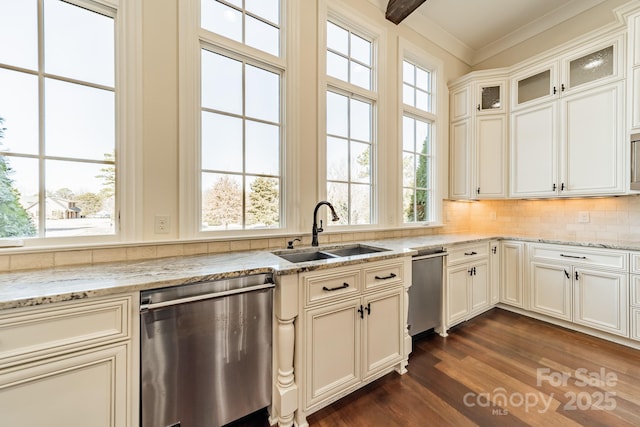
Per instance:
(434,255)
(147,304)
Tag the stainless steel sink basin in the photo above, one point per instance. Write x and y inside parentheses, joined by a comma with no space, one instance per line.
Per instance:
(355,250)
(327,253)
(305,256)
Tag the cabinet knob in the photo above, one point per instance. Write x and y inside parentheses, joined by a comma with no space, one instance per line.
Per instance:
(478,107)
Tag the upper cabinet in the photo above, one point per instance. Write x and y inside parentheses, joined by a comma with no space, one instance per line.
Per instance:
(478,137)
(634,71)
(584,68)
(567,124)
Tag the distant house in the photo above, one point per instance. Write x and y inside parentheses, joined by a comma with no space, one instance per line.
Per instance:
(56,208)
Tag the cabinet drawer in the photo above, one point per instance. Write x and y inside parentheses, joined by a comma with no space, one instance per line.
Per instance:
(382,275)
(611,259)
(466,253)
(635,290)
(42,332)
(331,285)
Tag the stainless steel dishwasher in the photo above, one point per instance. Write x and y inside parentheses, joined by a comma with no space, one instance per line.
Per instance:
(205,357)
(425,293)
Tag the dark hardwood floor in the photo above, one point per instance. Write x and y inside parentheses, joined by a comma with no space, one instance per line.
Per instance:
(499,369)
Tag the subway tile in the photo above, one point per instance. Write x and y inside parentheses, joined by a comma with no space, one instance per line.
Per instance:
(72,258)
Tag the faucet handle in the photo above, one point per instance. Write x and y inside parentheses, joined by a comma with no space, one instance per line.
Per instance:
(320,229)
(291,242)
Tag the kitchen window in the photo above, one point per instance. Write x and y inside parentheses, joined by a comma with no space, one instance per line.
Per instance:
(59,120)
(351,111)
(418,144)
(235,159)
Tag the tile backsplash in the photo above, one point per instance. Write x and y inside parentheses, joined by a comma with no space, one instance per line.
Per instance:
(607,218)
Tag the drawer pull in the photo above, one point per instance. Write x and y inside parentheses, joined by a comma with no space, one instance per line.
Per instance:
(344,286)
(390,276)
(573,256)
(471,253)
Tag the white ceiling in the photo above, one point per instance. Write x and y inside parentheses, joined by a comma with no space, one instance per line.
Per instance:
(474,30)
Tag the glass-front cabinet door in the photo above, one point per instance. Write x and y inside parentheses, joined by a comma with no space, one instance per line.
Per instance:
(490,97)
(594,66)
(532,86)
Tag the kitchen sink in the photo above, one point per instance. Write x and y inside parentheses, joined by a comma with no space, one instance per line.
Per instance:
(328,253)
(305,256)
(355,250)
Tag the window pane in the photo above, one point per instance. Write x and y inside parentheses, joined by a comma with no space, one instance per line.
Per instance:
(79,199)
(262,148)
(422,172)
(19,109)
(18,23)
(408,170)
(262,94)
(338,195)
(421,205)
(408,95)
(422,101)
(21,217)
(408,204)
(360,204)
(262,36)
(423,80)
(337,159)
(337,66)
(422,137)
(360,162)
(263,202)
(267,9)
(337,114)
(221,142)
(221,83)
(337,38)
(408,134)
(78,43)
(361,49)
(221,202)
(360,120)
(408,73)
(360,76)
(80,121)
(221,19)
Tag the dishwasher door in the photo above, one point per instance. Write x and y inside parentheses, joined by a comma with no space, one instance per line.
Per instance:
(425,293)
(205,353)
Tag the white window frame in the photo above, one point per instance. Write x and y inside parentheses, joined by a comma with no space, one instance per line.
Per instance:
(127,15)
(192,38)
(417,56)
(338,13)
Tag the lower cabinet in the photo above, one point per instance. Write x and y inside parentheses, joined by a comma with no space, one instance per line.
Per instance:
(84,388)
(69,364)
(585,286)
(512,273)
(467,291)
(354,329)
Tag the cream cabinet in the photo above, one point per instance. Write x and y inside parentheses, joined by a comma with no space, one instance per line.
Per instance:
(512,273)
(478,138)
(633,70)
(354,323)
(494,273)
(74,360)
(586,286)
(634,303)
(567,125)
(467,291)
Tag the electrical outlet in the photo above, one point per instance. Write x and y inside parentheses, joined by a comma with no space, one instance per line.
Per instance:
(583,216)
(161,224)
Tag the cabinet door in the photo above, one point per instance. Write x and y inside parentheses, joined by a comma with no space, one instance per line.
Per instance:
(85,388)
(635,323)
(601,300)
(457,293)
(593,141)
(529,88)
(382,330)
(490,98)
(551,287)
(512,274)
(534,152)
(593,65)
(460,103)
(479,292)
(491,157)
(332,349)
(461,165)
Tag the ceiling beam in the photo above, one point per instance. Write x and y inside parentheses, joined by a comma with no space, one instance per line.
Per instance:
(397,10)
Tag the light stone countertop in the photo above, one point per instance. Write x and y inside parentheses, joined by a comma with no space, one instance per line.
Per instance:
(36,287)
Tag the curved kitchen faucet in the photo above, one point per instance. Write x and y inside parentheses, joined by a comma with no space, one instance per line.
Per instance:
(316,229)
